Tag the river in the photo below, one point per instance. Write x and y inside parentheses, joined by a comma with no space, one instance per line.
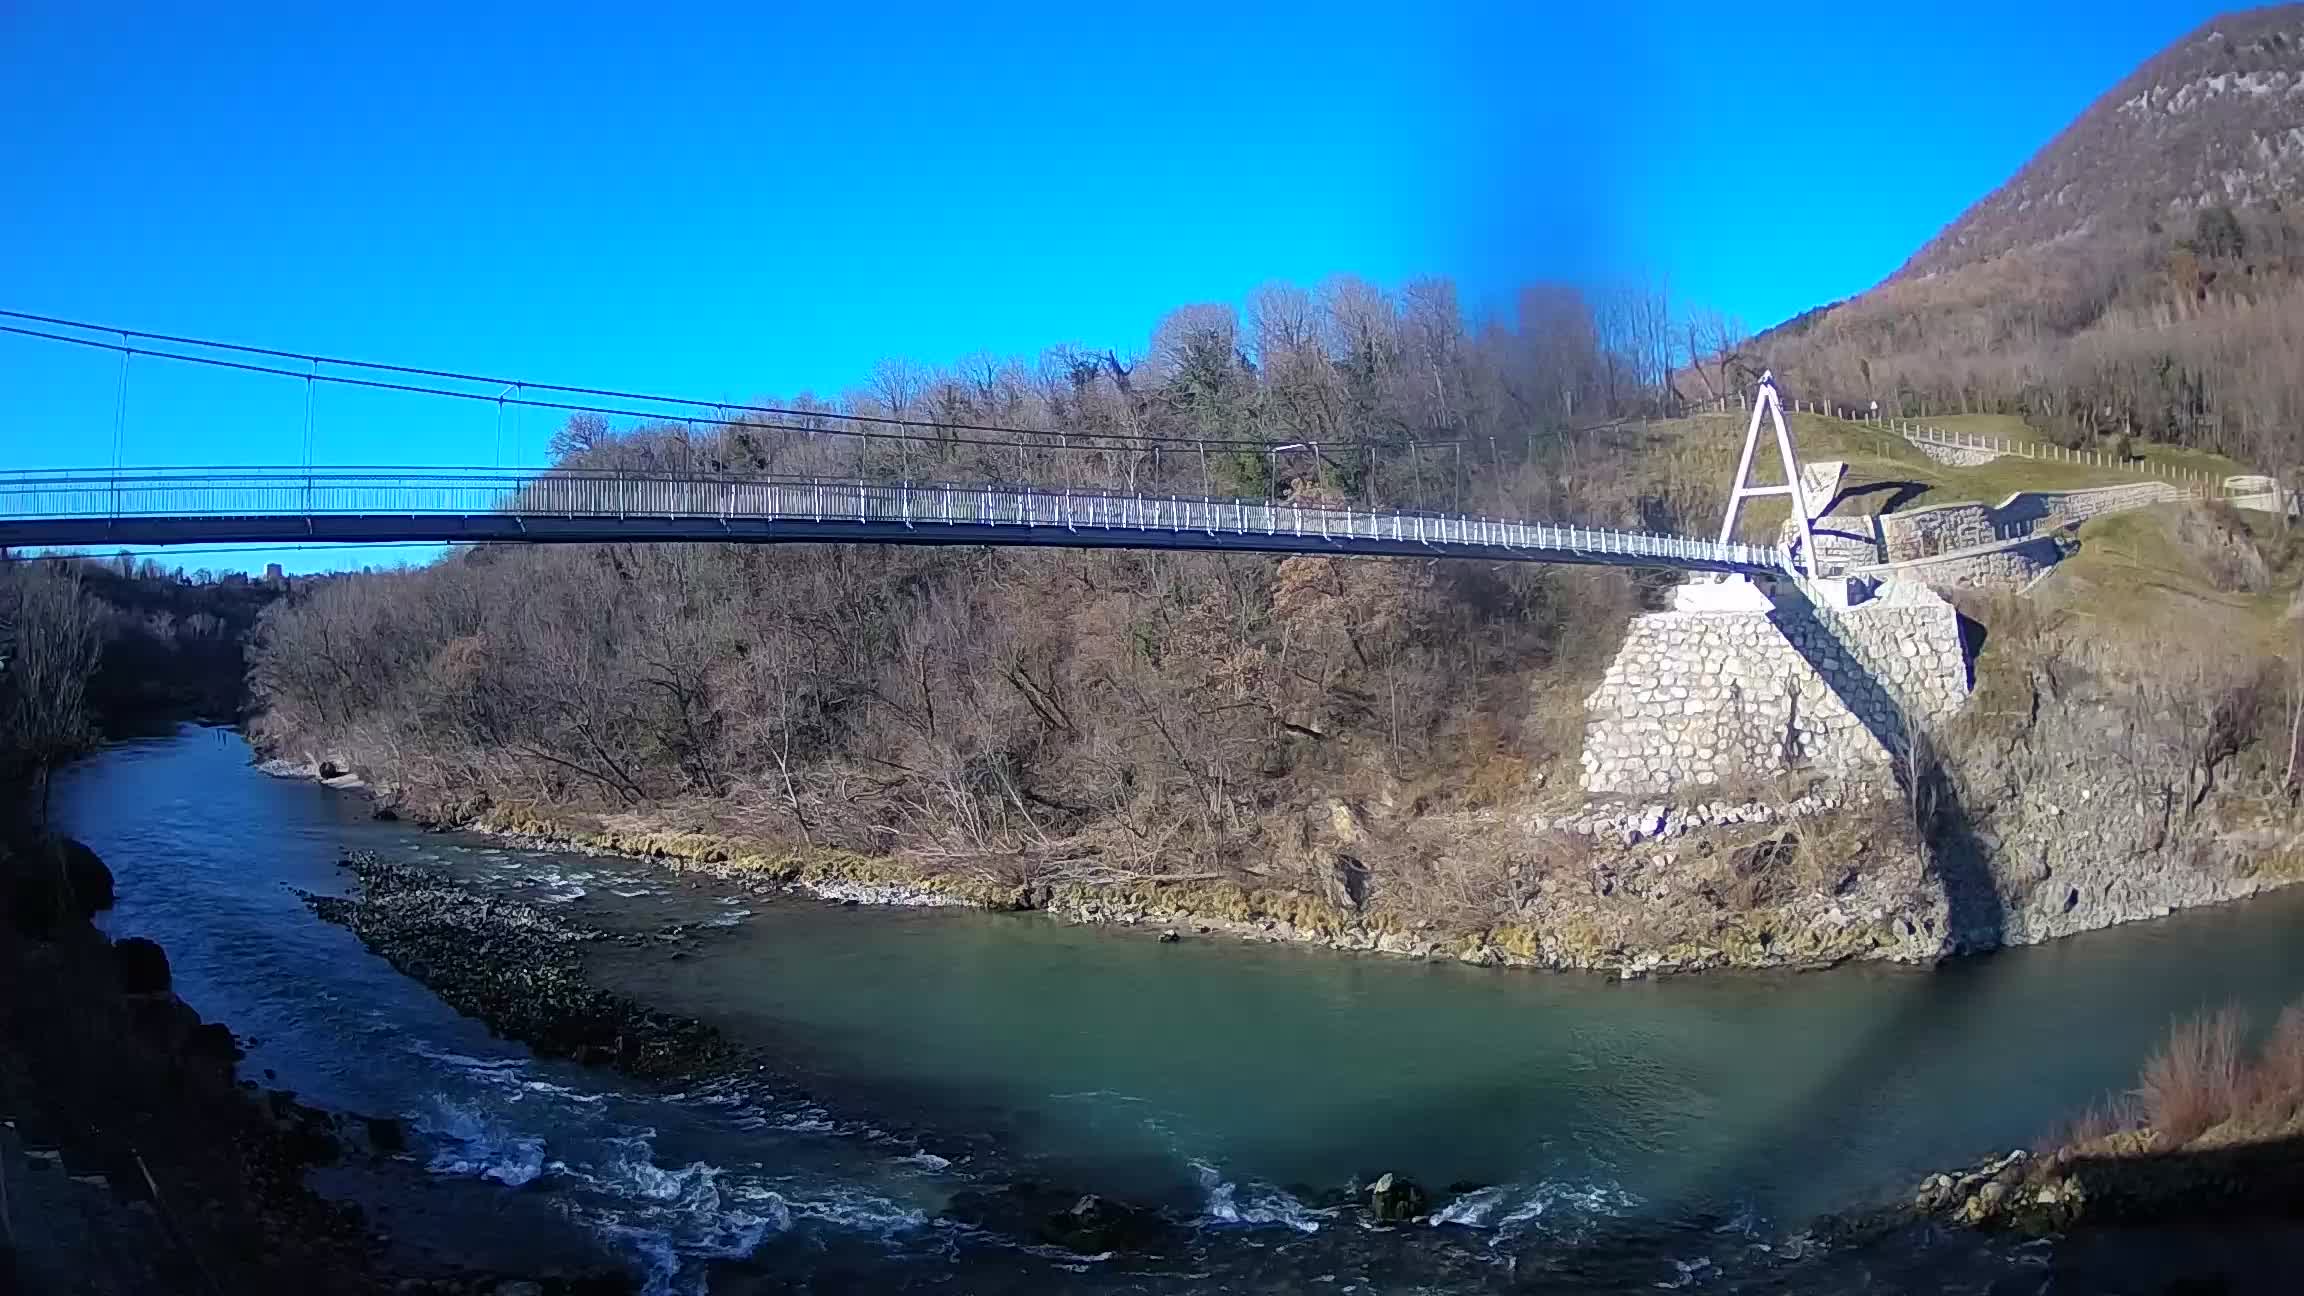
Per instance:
(1602,1135)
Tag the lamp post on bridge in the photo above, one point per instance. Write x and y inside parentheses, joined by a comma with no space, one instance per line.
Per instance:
(1278,450)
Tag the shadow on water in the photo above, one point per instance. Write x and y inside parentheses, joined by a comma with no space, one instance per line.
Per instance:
(1925,1021)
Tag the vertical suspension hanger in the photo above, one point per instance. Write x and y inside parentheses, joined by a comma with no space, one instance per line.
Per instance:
(311,386)
(120,421)
(508,389)
(120,406)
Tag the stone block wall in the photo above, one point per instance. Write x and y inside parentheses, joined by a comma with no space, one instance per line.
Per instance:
(1842,540)
(1920,532)
(2079,506)
(1907,637)
(1954,456)
(1694,698)
(1945,528)
(2009,565)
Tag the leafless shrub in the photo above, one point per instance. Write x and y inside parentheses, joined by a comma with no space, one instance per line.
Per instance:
(2277,1083)
(2196,1079)
(48,650)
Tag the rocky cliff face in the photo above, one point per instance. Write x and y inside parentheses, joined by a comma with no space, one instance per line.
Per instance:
(2090,808)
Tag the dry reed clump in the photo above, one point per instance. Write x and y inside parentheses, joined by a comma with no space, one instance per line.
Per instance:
(2201,1083)
(2197,1079)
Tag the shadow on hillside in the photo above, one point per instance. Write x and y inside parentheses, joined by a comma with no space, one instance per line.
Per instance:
(2217,1220)
(1975,916)
(2248,1181)
(1974,634)
(1896,495)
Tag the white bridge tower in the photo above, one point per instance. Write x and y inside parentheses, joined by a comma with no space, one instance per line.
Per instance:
(1765,402)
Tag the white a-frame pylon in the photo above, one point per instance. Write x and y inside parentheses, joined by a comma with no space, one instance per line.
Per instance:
(1764,401)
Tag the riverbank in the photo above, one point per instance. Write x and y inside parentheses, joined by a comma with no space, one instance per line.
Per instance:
(1237,1089)
(135,1159)
(2213,1129)
(1802,879)
(1788,888)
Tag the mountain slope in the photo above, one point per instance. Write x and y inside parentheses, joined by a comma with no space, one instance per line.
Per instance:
(2142,276)
(2216,118)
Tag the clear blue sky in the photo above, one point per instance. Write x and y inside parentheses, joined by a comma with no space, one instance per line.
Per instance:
(757,199)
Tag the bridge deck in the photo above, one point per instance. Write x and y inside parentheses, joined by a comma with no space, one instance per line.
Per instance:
(159,507)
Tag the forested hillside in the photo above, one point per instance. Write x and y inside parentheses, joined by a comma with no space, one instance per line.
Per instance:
(94,649)
(1096,712)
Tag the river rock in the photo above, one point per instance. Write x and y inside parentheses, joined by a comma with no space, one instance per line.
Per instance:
(1093,1225)
(386,1134)
(85,876)
(1395,1198)
(516,968)
(143,966)
(1034,1212)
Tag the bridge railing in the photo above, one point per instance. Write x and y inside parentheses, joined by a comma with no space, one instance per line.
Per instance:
(242,492)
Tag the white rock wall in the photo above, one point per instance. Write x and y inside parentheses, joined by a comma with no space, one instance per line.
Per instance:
(1695,698)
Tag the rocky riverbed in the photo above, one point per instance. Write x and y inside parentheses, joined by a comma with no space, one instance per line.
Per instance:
(516,968)
(1634,906)
(520,970)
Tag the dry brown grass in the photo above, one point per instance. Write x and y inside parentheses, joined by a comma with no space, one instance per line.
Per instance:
(2278,1077)
(1812,856)
(2197,1079)
(2096,1122)
(2202,1085)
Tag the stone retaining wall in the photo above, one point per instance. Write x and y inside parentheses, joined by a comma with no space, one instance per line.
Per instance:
(1849,540)
(1695,698)
(1947,528)
(1954,456)
(2008,565)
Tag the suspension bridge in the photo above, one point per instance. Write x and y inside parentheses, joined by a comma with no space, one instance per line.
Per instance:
(235,505)
(123,505)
